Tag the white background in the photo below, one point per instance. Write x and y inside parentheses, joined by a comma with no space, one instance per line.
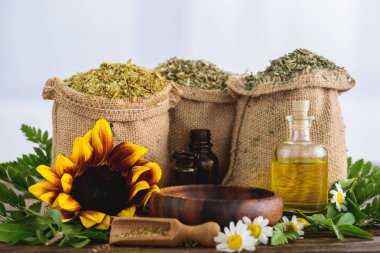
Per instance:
(41,39)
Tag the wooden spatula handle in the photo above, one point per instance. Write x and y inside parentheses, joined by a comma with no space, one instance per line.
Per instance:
(203,234)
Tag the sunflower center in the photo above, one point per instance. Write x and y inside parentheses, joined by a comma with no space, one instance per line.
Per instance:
(100,189)
(255,230)
(235,242)
(340,198)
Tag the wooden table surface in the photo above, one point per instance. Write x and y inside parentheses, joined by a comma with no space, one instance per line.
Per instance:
(323,242)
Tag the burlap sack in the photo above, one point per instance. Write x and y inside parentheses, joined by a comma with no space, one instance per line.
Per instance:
(207,109)
(261,123)
(144,121)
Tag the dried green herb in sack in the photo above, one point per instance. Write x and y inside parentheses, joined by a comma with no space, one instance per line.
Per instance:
(118,81)
(285,66)
(194,73)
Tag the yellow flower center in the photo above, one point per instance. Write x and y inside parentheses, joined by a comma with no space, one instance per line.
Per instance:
(255,230)
(304,221)
(235,242)
(293,227)
(340,198)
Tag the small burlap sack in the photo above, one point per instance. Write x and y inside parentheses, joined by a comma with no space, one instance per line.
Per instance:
(206,109)
(144,121)
(261,123)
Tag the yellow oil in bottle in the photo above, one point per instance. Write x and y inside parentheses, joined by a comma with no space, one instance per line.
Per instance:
(302,186)
(300,166)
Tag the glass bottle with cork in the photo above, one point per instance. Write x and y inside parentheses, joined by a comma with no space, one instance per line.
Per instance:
(206,161)
(300,166)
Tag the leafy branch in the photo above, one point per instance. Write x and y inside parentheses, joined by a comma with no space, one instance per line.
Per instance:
(25,224)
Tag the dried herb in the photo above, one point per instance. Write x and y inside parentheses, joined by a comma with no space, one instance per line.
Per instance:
(142,232)
(284,67)
(194,73)
(118,81)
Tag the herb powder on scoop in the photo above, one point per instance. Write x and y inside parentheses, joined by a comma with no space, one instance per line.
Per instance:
(284,67)
(118,81)
(194,73)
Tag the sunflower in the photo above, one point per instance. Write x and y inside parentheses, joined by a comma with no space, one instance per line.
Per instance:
(98,182)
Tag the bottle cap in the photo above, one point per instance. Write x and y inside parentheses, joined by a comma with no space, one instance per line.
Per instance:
(300,108)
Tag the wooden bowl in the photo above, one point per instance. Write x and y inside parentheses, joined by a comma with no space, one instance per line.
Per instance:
(196,204)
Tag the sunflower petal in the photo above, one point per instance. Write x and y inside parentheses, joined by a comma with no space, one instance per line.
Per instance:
(42,187)
(125,155)
(155,173)
(101,141)
(49,174)
(64,165)
(81,153)
(91,218)
(67,182)
(105,224)
(136,172)
(49,197)
(65,202)
(147,196)
(87,223)
(127,212)
(67,216)
(140,186)
(87,136)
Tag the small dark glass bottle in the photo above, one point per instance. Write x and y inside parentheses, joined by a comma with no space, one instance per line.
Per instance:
(183,168)
(206,161)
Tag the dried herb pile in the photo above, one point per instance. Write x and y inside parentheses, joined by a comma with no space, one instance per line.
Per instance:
(118,81)
(194,73)
(285,66)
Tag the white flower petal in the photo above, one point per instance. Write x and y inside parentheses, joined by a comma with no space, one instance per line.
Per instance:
(247,220)
(333,192)
(285,219)
(344,207)
(268,231)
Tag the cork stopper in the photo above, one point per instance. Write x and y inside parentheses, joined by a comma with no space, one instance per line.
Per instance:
(300,108)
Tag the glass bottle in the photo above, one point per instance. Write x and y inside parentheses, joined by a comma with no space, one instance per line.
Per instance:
(206,161)
(183,168)
(300,166)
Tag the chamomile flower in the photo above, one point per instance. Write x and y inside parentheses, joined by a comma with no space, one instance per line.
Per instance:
(339,198)
(295,225)
(235,238)
(259,229)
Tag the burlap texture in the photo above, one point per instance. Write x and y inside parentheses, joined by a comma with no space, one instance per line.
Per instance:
(261,123)
(206,109)
(142,121)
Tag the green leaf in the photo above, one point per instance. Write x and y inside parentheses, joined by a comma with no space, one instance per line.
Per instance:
(291,235)
(33,222)
(12,233)
(331,211)
(96,235)
(317,218)
(278,237)
(56,216)
(331,225)
(36,207)
(355,231)
(346,219)
(80,243)
(3,212)
(355,209)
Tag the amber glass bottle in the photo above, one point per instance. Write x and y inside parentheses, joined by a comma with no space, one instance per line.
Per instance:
(206,161)
(183,168)
(300,166)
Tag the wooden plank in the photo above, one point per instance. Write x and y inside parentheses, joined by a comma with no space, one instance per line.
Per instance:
(320,242)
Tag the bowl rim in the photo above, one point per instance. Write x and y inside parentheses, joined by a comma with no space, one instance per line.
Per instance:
(163,194)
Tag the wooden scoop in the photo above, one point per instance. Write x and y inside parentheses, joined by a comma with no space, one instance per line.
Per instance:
(160,232)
